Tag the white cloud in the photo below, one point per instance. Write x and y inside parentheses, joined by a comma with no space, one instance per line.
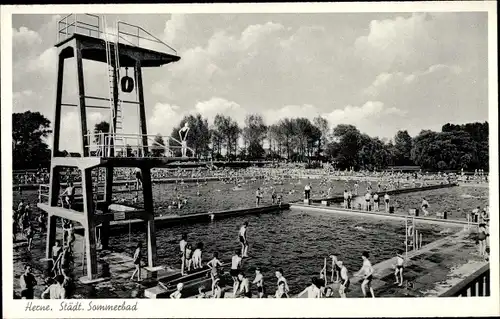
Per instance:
(173,27)
(25,37)
(217,105)
(164,118)
(45,62)
(291,111)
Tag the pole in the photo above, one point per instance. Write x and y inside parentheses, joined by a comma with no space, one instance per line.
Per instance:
(420,241)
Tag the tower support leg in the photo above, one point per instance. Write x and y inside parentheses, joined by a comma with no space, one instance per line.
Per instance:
(149,210)
(108,194)
(88,224)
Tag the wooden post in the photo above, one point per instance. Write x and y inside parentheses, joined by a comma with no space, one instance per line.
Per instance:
(57,115)
(142,109)
(149,211)
(81,100)
(88,210)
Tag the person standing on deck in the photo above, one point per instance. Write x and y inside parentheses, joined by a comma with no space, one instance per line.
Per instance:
(137,263)
(376,202)
(367,272)
(399,266)
(214,264)
(182,246)
(242,235)
(344,285)
(367,200)
(138,178)
(350,204)
(56,290)
(235,269)
(356,188)
(481,237)
(258,197)
(335,267)
(259,281)
(345,199)
(386,201)
(425,206)
(243,286)
(69,195)
(27,282)
(307,191)
(183,132)
(282,281)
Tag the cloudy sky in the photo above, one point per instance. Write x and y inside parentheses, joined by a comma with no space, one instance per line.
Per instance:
(380,72)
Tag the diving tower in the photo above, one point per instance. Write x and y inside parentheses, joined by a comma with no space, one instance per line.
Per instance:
(85,37)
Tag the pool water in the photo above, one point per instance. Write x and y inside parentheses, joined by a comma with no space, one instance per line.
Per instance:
(298,242)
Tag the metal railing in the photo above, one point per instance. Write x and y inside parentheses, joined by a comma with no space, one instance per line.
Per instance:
(131,145)
(126,33)
(475,285)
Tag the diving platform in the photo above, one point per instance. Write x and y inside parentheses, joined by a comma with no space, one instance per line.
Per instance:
(86,37)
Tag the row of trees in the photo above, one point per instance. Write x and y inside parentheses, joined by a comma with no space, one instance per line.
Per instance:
(295,139)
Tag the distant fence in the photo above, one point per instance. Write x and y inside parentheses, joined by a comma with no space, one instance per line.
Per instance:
(475,285)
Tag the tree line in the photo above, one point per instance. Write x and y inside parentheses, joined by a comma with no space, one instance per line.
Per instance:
(293,139)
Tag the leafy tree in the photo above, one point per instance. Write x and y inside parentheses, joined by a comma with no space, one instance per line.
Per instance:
(28,148)
(287,131)
(349,140)
(254,133)
(158,147)
(228,131)
(322,124)
(402,148)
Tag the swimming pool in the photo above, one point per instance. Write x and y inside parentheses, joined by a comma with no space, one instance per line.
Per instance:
(296,241)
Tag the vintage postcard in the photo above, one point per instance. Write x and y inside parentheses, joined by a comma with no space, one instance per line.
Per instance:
(341,154)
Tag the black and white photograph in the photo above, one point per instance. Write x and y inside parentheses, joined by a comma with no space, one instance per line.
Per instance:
(246,153)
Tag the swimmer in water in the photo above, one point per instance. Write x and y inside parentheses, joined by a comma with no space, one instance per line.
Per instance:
(177,294)
(367,272)
(259,281)
(242,235)
(399,266)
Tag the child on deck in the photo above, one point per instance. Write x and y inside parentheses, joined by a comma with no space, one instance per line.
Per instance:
(197,256)
(214,265)
(399,266)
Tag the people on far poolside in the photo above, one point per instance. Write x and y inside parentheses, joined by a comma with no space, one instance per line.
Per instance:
(376,202)
(258,197)
(350,204)
(386,202)
(367,200)
(345,199)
